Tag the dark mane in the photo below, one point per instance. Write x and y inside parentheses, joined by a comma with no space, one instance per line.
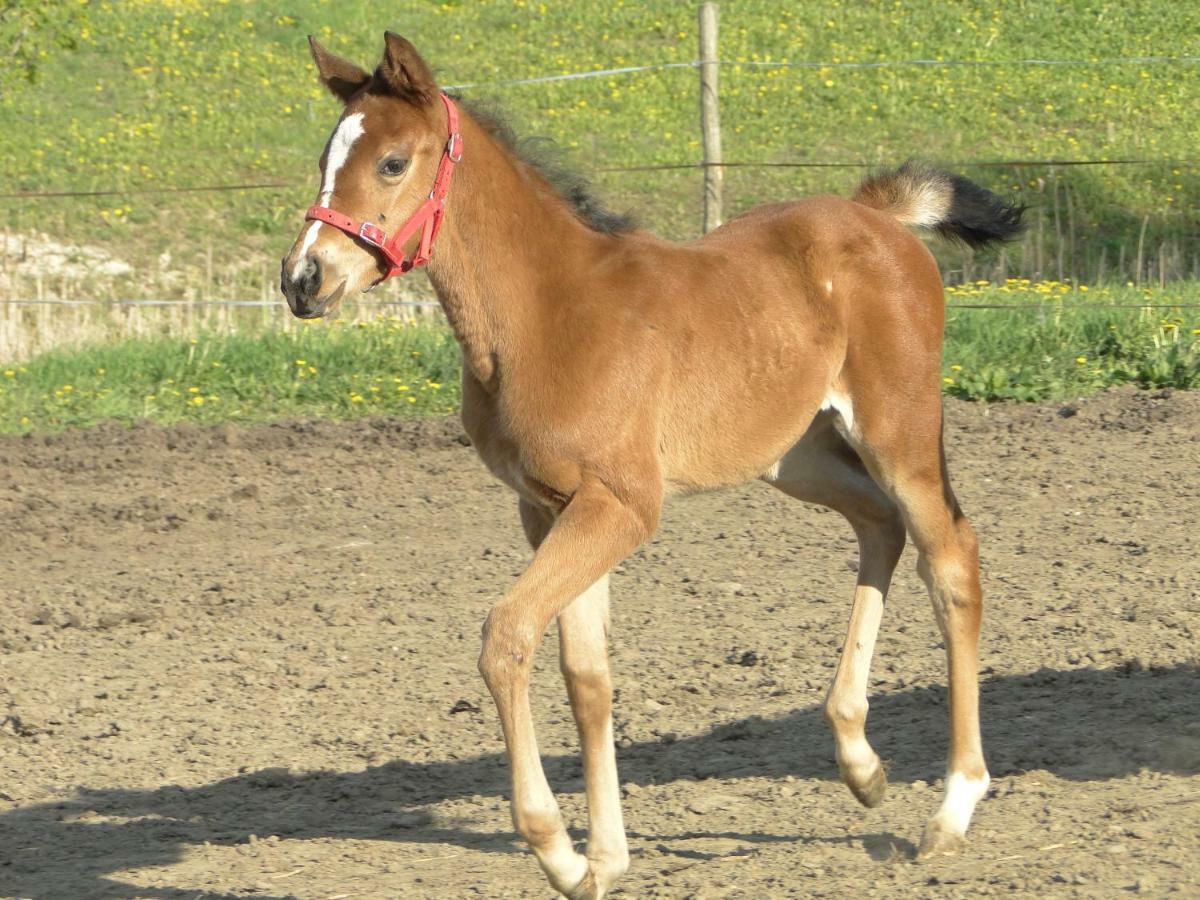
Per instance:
(544,157)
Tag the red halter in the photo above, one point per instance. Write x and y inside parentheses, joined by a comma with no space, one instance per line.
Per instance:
(428,218)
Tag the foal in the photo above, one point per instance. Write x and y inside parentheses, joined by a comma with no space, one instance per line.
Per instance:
(605,368)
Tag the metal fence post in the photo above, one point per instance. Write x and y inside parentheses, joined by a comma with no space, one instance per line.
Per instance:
(710,123)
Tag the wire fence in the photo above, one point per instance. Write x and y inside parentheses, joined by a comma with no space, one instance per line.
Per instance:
(701,165)
(807,64)
(658,167)
(1049,246)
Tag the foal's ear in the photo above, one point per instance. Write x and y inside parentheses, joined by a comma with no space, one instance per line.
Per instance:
(404,72)
(342,77)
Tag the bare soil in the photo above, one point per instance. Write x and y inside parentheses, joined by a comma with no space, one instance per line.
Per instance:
(240,662)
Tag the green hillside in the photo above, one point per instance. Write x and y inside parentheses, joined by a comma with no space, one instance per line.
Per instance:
(135,94)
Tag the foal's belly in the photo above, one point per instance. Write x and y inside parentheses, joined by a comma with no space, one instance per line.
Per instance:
(735,435)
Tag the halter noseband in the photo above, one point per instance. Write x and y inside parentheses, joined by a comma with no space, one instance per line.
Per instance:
(428,218)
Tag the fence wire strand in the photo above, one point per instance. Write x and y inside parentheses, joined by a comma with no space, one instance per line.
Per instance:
(656,167)
(806,64)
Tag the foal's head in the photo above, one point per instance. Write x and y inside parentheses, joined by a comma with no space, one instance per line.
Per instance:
(377,167)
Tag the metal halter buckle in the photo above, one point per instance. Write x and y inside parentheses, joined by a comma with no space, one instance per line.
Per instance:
(453,145)
(372,234)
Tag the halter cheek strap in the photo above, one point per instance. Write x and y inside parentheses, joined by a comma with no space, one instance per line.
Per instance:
(428,219)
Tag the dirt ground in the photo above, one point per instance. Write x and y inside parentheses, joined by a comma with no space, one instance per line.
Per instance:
(240,662)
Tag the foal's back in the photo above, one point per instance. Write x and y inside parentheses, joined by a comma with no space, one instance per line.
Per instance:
(746,332)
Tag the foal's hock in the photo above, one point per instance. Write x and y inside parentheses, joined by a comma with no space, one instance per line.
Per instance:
(605,368)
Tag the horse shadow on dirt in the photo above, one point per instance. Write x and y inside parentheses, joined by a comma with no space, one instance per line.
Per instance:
(1085,725)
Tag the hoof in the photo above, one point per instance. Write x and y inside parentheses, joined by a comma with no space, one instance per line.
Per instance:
(587,889)
(601,875)
(869,791)
(938,840)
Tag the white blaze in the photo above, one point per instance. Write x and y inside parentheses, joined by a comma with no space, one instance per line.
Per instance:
(349,130)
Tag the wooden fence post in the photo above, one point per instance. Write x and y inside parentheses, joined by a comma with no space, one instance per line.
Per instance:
(710,124)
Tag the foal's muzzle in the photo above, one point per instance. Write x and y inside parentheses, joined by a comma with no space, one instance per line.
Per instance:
(300,286)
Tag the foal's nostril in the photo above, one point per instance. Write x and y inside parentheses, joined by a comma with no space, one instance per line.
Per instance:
(301,283)
(309,281)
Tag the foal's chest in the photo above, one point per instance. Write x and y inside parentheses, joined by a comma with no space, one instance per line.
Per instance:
(529,467)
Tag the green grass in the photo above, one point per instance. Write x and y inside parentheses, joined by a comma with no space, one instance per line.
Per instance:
(384,367)
(1058,342)
(1054,343)
(151,93)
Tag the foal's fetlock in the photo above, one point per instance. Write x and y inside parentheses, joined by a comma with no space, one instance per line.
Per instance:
(946,831)
(601,875)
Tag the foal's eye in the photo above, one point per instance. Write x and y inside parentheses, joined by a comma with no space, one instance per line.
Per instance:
(393,166)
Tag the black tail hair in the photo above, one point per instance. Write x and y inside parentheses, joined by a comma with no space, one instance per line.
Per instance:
(955,207)
(977,217)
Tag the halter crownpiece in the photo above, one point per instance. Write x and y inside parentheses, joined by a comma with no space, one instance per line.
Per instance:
(428,218)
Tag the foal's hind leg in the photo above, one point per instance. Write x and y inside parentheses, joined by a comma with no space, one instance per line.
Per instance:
(906,457)
(822,468)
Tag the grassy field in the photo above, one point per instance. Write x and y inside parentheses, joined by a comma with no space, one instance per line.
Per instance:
(1050,342)
(146,94)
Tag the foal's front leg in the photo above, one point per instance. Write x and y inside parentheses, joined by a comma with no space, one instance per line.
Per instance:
(594,532)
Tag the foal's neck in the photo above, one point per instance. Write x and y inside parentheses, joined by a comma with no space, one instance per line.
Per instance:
(510,248)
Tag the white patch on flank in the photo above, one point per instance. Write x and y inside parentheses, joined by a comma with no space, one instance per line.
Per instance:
(349,130)
(840,404)
(962,793)
(829,285)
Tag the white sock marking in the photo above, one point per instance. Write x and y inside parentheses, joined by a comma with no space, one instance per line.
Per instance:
(349,130)
(962,793)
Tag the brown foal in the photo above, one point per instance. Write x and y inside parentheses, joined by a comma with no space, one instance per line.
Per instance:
(605,368)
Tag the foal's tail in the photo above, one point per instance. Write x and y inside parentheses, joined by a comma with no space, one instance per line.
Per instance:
(924,197)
